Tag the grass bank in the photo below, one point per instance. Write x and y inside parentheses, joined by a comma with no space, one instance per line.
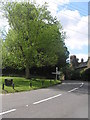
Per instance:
(23,84)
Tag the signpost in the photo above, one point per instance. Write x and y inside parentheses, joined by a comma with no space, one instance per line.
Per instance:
(57,73)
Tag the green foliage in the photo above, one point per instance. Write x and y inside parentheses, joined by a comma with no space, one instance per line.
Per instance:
(35,37)
(75,75)
(22,84)
(85,74)
(0,54)
(70,73)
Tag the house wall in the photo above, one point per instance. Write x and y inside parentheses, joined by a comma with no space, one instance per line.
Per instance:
(88,64)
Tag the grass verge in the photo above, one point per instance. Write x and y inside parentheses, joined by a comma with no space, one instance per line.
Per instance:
(23,84)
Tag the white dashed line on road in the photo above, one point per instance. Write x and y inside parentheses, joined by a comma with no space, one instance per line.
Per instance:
(26,105)
(8,111)
(58,94)
(81,84)
(73,90)
(47,99)
(72,83)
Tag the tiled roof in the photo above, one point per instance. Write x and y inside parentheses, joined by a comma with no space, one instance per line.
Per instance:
(82,65)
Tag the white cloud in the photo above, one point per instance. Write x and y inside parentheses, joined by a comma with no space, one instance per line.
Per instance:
(76,28)
(52,5)
(57,2)
(79,0)
(4,26)
(40,1)
(3,23)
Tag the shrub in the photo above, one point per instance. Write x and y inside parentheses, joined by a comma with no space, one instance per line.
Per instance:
(85,75)
(75,75)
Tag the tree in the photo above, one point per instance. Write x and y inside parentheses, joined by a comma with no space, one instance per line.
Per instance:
(34,38)
(0,56)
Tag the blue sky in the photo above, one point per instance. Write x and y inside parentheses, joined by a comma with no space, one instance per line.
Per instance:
(74,18)
(75,21)
(82,7)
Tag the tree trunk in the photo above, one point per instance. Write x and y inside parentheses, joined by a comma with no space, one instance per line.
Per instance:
(27,72)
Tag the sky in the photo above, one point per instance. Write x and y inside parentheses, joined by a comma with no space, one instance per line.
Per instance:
(73,16)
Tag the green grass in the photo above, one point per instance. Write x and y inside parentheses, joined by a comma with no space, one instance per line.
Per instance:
(23,84)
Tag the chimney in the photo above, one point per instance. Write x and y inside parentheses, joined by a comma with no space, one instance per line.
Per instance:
(82,60)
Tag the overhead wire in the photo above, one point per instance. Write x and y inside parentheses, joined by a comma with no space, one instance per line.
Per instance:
(77,31)
(81,12)
(76,20)
(74,17)
(82,9)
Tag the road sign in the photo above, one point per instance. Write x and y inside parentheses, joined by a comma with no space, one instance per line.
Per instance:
(57,73)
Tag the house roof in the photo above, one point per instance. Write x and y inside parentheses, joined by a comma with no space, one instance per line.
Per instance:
(81,65)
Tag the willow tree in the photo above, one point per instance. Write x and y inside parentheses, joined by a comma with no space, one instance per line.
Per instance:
(34,38)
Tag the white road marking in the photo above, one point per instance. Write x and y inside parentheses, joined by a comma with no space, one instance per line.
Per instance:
(73,90)
(81,84)
(72,83)
(26,105)
(47,99)
(7,111)
(59,94)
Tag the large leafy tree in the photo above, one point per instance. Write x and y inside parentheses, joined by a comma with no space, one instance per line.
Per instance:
(34,38)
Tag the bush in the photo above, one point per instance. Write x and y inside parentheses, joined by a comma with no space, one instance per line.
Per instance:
(75,75)
(85,75)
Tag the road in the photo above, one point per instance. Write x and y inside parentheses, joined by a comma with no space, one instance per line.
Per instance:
(66,100)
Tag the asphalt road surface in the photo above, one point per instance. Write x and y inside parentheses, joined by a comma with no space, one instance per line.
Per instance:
(66,100)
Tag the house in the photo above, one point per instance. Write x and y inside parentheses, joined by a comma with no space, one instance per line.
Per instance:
(79,65)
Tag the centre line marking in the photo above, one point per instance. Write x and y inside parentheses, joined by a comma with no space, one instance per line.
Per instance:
(81,84)
(7,111)
(47,99)
(73,89)
(72,83)
(26,105)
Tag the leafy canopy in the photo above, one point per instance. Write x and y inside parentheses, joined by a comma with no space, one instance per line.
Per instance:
(34,38)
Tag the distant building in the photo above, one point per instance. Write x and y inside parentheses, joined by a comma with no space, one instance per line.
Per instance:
(74,61)
(79,65)
(88,64)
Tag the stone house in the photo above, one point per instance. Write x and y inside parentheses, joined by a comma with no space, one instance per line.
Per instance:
(79,65)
